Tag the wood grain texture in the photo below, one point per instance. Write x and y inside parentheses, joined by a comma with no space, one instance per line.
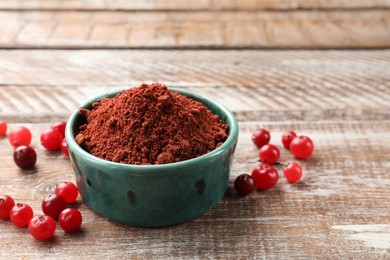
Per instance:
(256,85)
(339,210)
(337,69)
(188,4)
(50,103)
(225,29)
(341,99)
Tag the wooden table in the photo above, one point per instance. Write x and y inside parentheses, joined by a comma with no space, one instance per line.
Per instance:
(317,67)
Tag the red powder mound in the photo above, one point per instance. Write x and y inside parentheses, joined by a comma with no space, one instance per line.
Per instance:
(150,125)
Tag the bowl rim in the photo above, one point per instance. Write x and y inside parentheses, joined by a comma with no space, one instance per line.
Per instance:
(230,120)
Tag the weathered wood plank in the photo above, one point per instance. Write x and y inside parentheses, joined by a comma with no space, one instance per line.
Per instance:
(255,85)
(188,4)
(275,103)
(254,29)
(340,209)
(336,69)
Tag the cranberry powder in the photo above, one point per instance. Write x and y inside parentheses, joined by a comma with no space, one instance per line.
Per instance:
(150,125)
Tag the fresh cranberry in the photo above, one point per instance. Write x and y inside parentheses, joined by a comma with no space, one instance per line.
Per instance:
(6,204)
(60,127)
(269,154)
(70,220)
(265,177)
(64,147)
(53,205)
(293,172)
(261,137)
(42,227)
(51,139)
(67,190)
(287,138)
(19,135)
(244,184)
(302,147)
(3,128)
(21,214)
(25,157)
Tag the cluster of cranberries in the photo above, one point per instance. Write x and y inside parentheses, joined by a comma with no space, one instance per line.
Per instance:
(265,176)
(54,206)
(20,137)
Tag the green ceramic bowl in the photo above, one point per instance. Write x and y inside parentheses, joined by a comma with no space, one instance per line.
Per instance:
(153,195)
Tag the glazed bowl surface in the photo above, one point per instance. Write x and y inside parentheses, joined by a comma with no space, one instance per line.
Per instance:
(153,195)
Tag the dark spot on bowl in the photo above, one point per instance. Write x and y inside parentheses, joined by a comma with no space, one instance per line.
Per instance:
(75,163)
(89,182)
(200,186)
(80,184)
(131,196)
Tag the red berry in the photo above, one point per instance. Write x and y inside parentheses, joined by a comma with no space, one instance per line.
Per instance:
(269,154)
(6,204)
(67,190)
(25,157)
(3,128)
(287,138)
(261,137)
(293,172)
(60,127)
(51,139)
(244,184)
(53,205)
(42,227)
(302,147)
(19,135)
(21,214)
(265,176)
(64,147)
(70,220)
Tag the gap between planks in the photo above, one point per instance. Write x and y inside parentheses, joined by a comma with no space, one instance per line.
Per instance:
(200,10)
(183,5)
